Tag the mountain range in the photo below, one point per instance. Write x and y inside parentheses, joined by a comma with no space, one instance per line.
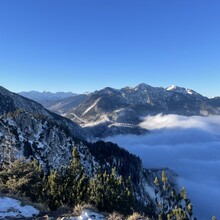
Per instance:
(28,130)
(119,111)
(46,97)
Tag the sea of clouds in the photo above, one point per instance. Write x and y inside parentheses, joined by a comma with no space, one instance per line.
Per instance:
(188,145)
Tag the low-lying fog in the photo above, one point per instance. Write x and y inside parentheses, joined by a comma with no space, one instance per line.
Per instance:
(188,145)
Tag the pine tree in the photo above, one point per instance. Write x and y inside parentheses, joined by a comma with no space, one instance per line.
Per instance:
(110,192)
(172,206)
(23,178)
(96,191)
(53,189)
(76,181)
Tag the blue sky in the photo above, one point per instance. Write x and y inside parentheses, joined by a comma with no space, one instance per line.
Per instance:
(84,45)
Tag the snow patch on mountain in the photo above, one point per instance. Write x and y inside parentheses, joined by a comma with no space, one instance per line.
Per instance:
(90,107)
(103,119)
(174,88)
(171,88)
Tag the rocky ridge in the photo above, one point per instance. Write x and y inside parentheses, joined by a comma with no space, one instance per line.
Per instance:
(110,111)
(28,130)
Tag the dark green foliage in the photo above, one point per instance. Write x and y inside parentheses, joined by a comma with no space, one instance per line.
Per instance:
(68,186)
(53,190)
(76,182)
(125,163)
(23,178)
(111,193)
(27,149)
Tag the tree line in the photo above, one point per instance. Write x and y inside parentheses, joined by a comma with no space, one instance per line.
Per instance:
(69,185)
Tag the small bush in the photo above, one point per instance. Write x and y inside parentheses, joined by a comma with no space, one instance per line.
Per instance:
(135,216)
(78,209)
(116,216)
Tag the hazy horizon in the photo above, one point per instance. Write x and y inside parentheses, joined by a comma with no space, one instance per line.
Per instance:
(74,92)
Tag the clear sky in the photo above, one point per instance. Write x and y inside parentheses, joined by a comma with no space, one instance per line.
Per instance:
(84,45)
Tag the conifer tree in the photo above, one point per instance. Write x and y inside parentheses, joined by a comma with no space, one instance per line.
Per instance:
(76,182)
(23,178)
(111,193)
(53,189)
(172,206)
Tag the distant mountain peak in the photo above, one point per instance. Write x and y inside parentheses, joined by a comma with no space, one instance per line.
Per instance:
(171,88)
(174,88)
(107,90)
(142,86)
(46,95)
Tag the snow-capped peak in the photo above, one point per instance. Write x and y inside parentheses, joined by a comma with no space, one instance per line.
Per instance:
(174,88)
(171,88)
(189,91)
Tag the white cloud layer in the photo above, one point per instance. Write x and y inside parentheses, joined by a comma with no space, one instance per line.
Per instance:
(188,145)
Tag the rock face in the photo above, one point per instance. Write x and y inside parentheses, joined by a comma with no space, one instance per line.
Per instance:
(28,130)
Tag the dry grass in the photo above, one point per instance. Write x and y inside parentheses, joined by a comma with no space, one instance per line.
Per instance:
(116,216)
(78,209)
(136,216)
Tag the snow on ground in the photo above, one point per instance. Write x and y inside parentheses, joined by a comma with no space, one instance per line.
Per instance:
(151,191)
(12,208)
(121,125)
(90,107)
(75,116)
(103,119)
(87,215)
